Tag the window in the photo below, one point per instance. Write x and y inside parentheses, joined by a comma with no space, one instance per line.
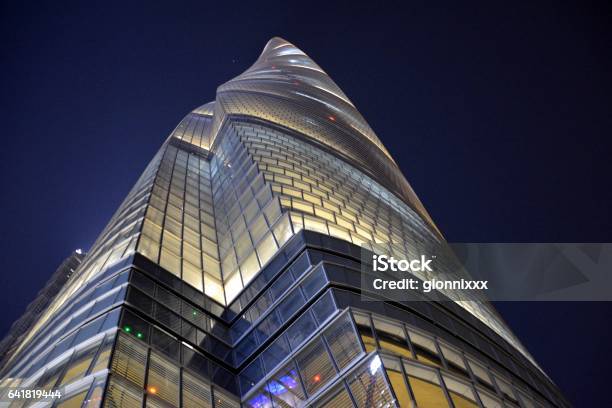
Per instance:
(121,394)
(163,380)
(453,357)
(129,360)
(368,385)
(342,341)
(79,364)
(365,330)
(391,337)
(460,392)
(196,393)
(315,366)
(74,401)
(285,387)
(424,348)
(426,387)
(398,382)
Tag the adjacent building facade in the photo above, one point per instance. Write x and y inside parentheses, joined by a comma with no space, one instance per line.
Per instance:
(230,275)
(55,283)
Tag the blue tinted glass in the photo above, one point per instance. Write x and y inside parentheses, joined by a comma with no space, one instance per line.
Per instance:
(314,282)
(250,376)
(282,283)
(301,329)
(300,265)
(291,304)
(324,307)
(112,319)
(245,348)
(274,354)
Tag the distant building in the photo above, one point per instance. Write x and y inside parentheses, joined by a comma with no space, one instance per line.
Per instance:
(59,278)
(230,274)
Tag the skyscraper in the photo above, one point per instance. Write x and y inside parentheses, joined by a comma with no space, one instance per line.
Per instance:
(231,273)
(55,283)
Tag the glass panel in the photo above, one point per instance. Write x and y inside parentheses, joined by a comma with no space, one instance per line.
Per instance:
(365,330)
(505,387)
(261,399)
(426,387)
(196,393)
(339,398)
(427,394)
(129,360)
(489,400)
(397,380)
(479,371)
(95,397)
(285,388)
(461,393)
(74,401)
(453,357)
(368,385)
(424,348)
(121,394)
(104,355)
(303,327)
(79,364)
(163,379)
(399,388)
(315,366)
(392,338)
(343,341)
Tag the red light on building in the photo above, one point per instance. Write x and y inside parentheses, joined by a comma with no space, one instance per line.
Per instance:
(332,118)
(316,378)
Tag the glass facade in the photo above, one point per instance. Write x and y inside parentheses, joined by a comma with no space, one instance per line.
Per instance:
(230,274)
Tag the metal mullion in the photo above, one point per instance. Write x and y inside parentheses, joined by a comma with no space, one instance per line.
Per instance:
(146,377)
(407,381)
(444,389)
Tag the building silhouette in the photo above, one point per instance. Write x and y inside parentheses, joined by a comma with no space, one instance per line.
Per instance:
(231,273)
(59,278)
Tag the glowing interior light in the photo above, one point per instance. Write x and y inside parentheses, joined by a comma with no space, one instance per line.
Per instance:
(316,378)
(195,313)
(289,381)
(332,118)
(139,335)
(152,390)
(127,329)
(375,365)
(276,388)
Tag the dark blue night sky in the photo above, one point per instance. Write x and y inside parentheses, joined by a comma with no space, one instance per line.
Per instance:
(499,115)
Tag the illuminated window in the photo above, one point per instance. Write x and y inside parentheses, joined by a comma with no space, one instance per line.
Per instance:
(426,387)
(163,380)
(74,401)
(365,331)
(424,348)
(460,392)
(398,382)
(315,366)
(391,337)
(453,357)
(79,364)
